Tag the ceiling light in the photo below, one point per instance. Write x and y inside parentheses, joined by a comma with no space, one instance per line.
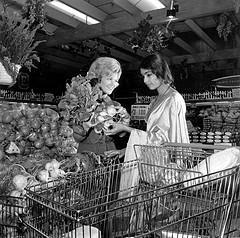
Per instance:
(147,5)
(72,12)
(171,13)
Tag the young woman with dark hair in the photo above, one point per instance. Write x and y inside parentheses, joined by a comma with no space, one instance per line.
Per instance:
(165,118)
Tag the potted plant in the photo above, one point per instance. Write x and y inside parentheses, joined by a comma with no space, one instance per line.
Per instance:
(17,45)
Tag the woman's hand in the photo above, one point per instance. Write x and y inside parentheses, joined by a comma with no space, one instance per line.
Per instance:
(116,128)
(112,153)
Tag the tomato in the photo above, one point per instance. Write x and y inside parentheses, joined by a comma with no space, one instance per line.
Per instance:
(30,114)
(35,124)
(22,121)
(53,125)
(46,135)
(25,130)
(14,123)
(45,128)
(42,113)
(6,132)
(49,142)
(16,114)
(7,117)
(54,133)
(38,144)
(12,137)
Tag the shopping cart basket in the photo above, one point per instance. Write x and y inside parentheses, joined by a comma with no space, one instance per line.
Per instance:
(175,161)
(197,207)
(12,213)
(89,205)
(62,206)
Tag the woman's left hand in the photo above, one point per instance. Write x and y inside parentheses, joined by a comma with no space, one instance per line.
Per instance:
(116,128)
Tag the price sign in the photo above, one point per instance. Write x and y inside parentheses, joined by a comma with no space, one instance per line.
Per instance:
(236,92)
(138,112)
(145,99)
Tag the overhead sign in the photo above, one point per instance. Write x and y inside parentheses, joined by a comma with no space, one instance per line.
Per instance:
(139,111)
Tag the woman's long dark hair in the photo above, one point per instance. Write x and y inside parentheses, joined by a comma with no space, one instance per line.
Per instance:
(159,66)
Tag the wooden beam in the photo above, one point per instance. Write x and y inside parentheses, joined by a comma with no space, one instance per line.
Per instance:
(62,54)
(62,61)
(61,17)
(128,7)
(123,45)
(188,9)
(168,53)
(184,45)
(195,28)
(115,53)
(50,28)
(87,8)
(204,57)
(216,66)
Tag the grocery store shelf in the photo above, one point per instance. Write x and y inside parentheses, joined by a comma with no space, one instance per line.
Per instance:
(231,101)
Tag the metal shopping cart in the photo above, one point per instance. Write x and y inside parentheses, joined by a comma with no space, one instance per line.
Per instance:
(76,206)
(12,213)
(91,205)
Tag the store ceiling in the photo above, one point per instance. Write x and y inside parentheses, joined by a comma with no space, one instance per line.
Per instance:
(196,36)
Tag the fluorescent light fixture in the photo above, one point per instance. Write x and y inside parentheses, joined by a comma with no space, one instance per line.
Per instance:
(147,5)
(62,7)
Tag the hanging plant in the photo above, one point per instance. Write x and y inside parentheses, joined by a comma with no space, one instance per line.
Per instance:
(17,44)
(150,38)
(34,10)
(236,5)
(225,26)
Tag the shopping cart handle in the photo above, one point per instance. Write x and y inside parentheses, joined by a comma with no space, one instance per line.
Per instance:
(197,146)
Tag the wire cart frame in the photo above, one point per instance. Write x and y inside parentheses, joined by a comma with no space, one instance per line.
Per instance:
(12,213)
(91,205)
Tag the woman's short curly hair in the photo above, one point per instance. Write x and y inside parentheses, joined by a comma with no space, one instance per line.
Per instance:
(159,66)
(104,66)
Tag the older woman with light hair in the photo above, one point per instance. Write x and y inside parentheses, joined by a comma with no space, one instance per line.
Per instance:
(106,72)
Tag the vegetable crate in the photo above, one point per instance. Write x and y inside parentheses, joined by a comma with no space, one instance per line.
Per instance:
(121,199)
(12,213)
